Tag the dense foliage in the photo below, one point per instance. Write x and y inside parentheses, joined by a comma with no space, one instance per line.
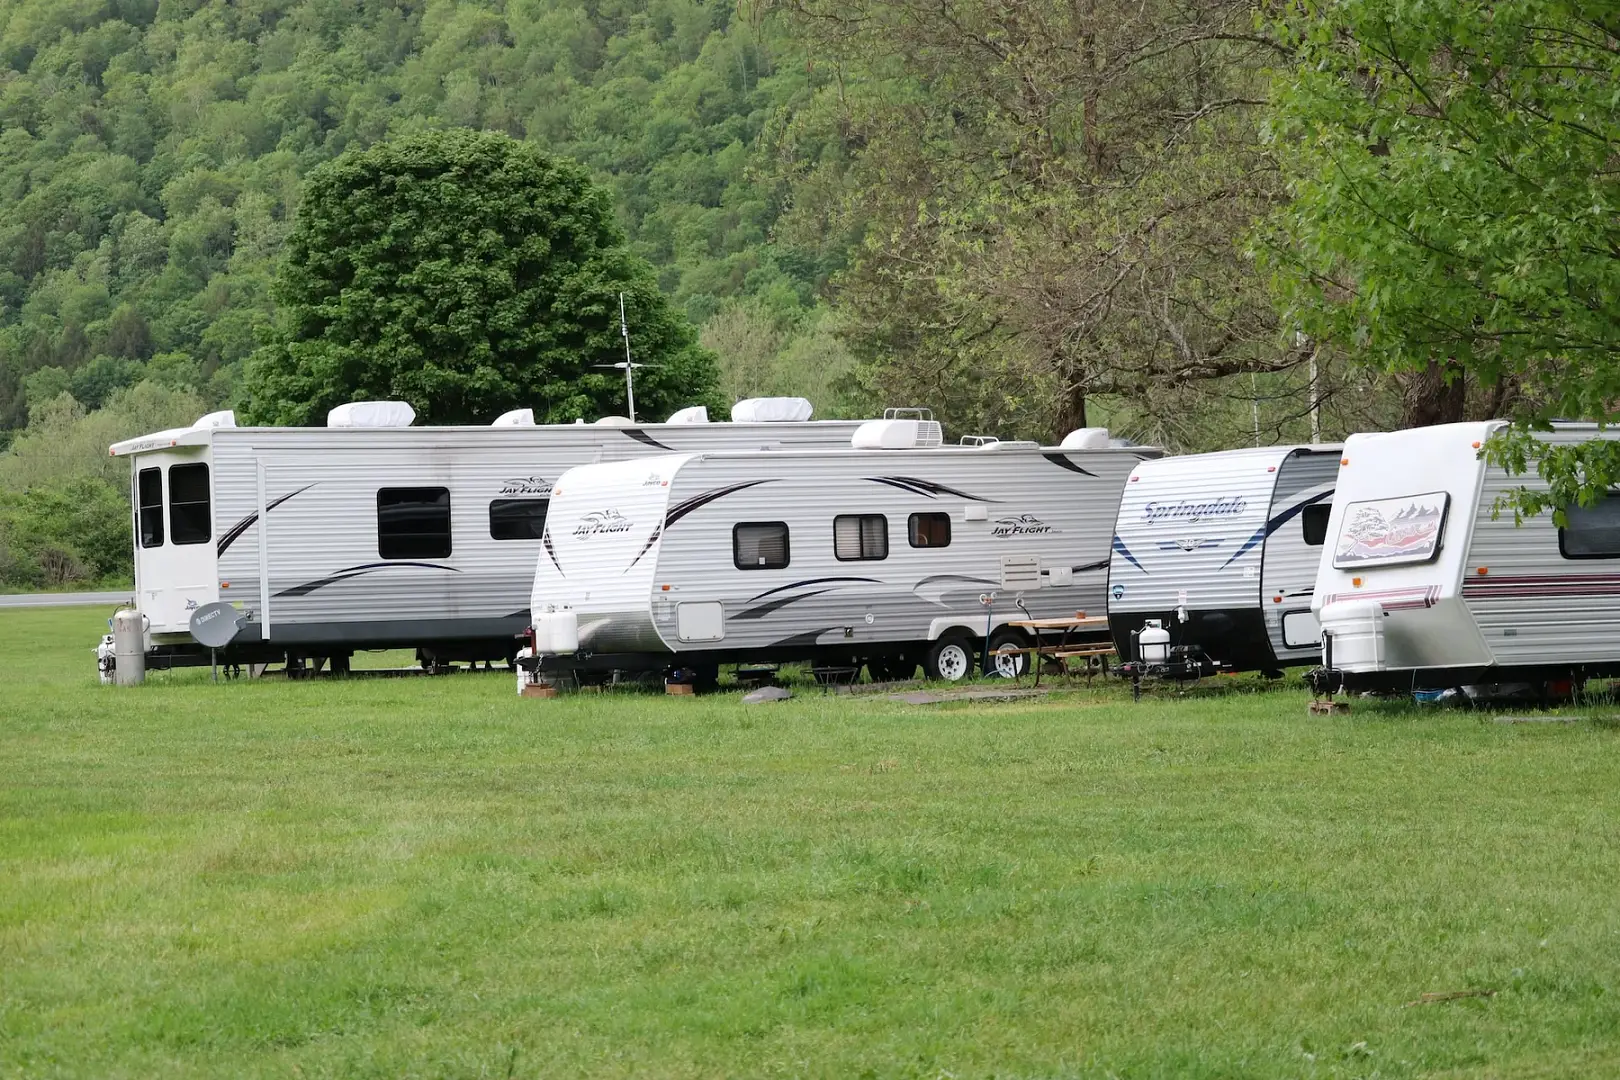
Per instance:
(468,274)
(1455,208)
(151,154)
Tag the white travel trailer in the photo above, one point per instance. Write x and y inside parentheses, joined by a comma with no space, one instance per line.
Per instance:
(1220,551)
(882,554)
(1424,586)
(370,533)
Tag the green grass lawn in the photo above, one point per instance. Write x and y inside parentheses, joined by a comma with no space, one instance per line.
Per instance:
(431,877)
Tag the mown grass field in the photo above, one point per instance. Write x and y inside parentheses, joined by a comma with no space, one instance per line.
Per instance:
(433,878)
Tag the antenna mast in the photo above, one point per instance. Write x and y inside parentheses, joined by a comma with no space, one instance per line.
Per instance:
(629,368)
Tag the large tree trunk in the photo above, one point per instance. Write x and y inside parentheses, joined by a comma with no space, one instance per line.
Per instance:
(1071,412)
(1428,398)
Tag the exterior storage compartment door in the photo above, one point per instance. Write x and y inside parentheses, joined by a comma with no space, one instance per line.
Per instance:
(1301,630)
(700,621)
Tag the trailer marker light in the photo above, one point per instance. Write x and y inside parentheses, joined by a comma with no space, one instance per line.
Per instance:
(1356,582)
(1482,571)
(1134,479)
(664,587)
(224,584)
(1271,468)
(1476,446)
(1276,599)
(1344,461)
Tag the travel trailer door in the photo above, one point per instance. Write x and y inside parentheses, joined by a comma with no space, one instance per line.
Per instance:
(172,496)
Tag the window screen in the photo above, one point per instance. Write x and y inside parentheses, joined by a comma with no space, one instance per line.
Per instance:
(860,537)
(1314,519)
(1592,532)
(149,507)
(930,530)
(517,519)
(760,545)
(413,523)
(189,518)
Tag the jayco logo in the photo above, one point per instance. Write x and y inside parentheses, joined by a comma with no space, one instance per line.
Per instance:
(1230,506)
(1022,525)
(526,485)
(598,522)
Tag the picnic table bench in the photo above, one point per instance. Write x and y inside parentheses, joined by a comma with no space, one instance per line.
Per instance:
(1063,651)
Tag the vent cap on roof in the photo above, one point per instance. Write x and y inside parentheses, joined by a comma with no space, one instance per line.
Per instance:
(695,414)
(223,418)
(371,414)
(1087,438)
(897,435)
(515,418)
(614,421)
(772,410)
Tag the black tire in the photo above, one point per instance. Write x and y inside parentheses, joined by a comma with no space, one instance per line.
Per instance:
(951,658)
(1006,656)
(891,668)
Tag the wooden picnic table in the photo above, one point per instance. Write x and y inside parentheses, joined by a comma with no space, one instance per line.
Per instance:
(1061,651)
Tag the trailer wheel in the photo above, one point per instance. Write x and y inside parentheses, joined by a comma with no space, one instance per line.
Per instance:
(950,659)
(1007,656)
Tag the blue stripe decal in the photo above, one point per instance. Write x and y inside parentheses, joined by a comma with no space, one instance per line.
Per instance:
(1278,522)
(1119,546)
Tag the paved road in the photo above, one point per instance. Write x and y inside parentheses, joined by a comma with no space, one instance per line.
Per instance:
(65,599)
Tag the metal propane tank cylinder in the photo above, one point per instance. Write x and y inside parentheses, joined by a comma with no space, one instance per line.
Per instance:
(129,647)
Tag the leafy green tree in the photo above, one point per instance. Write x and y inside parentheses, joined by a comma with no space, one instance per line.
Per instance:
(466,273)
(1455,213)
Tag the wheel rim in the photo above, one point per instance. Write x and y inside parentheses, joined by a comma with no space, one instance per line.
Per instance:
(953,662)
(1009,662)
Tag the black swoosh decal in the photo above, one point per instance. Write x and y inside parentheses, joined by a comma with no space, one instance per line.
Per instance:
(954,577)
(356,571)
(926,487)
(247,523)
(809,581)
(762,610)
(895,483)
(696,502)
(545,538)
(804,640)
(1062,462)
(1101,564)
(644,438)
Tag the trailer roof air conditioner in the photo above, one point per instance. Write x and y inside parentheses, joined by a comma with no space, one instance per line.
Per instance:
(515,418)
(1086,438)
(771,410)
(897,435)
(223,418)
(695,414)
(372,414)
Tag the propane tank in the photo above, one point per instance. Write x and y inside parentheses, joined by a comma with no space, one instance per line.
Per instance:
(129,647)
(556,632)
(1153,643)
(104,659)
(523,676)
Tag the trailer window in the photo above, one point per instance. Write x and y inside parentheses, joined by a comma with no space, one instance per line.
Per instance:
(930,530)
(413,523)
(860,537)
(759,545)
(1592,532)
(517,519)
(1314,520)
(149,507)
(190,521)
